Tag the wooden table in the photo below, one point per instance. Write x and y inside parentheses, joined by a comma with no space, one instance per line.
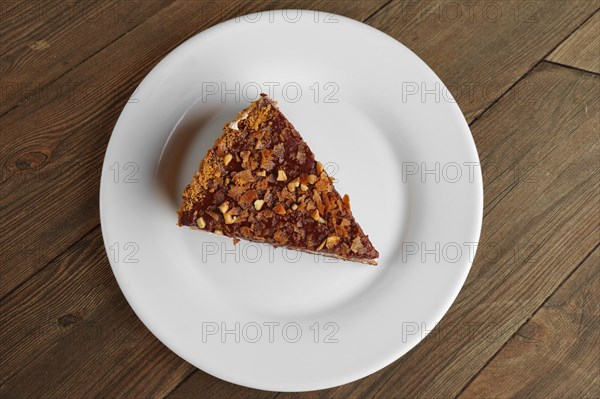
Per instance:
(527,77)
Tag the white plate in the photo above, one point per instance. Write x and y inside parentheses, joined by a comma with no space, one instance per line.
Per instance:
(389,132)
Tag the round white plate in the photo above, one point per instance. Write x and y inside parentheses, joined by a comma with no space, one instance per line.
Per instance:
(386,128)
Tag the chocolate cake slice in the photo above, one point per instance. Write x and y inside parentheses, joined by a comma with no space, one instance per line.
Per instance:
(260,182)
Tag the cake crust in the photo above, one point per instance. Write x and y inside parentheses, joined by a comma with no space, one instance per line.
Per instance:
(260,182)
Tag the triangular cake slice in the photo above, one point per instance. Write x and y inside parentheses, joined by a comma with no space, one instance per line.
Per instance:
(260,182)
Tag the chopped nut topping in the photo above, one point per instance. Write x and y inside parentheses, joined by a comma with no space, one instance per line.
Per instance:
(227,159)
(315,214)
(323,185)
(266,160)
(220,150)
(236,192)
(331,241)
(312,179)
(279,236)
(200,222)
(281,176)
(302,205)
(279,209)
(303,187)
(341,228)
(318,202)
(243,177)
(293,184)
(247,198)
(346,202)
(213,215)
(319,167)
(258,204)
(229,218)
(320,247)
(261,173)
(357,246)
(224,207)
(325,199)
(245,155)
(294,207)
(219,232)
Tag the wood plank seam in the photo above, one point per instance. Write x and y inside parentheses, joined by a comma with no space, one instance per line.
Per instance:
(126,33)
(376,11)
(70,247)
(81,62)
(56,258)
(492,181)
(502,95)
(523,176)
(572,67)
(183,380)
(581,45)
(526,321)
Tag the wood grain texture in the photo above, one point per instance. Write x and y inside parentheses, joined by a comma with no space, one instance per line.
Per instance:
(556,353)
(543,225)
(205,386)
(69,333)
(53,149)
(41,40)
(480,48)
(582,48)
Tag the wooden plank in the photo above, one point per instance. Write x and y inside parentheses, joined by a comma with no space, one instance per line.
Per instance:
(40,41)
(205,386)
(532,239)
(69,333)
(555,354)
(480,48)
(582,48)
(53,150)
